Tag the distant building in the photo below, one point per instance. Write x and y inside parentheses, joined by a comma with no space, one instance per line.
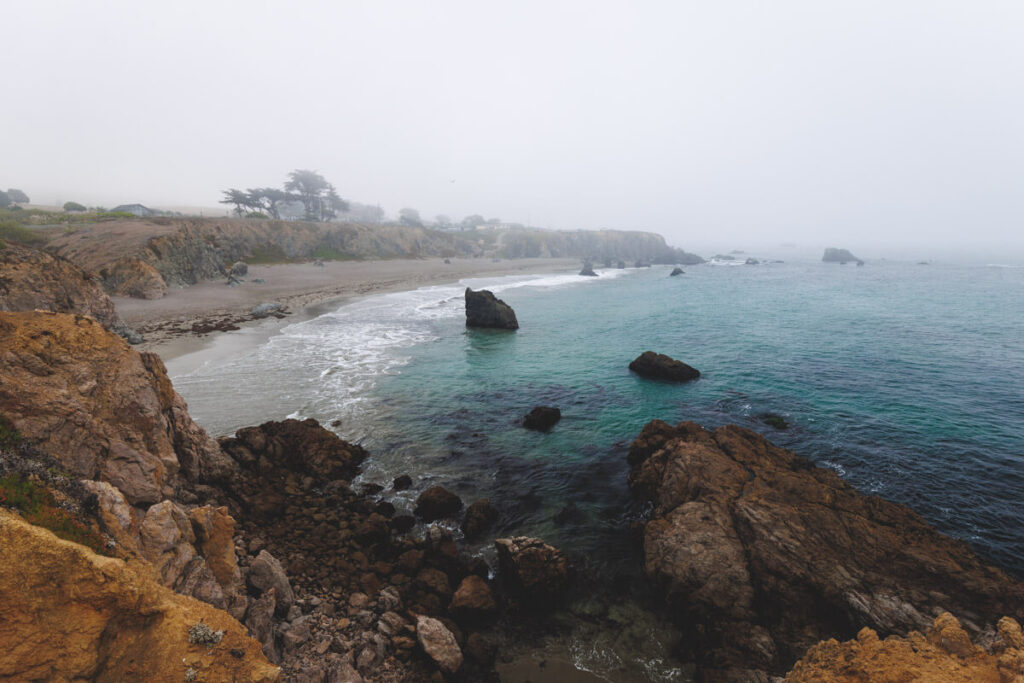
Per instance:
(135,210)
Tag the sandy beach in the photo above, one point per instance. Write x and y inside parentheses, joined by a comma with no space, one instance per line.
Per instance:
(304,289)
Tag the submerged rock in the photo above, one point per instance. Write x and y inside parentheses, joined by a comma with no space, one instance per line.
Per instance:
(588,269)
(437,502)
(483,309)
(676,271)
(773,420)
(479,518)
(659,366)
(761,554)
(542,418)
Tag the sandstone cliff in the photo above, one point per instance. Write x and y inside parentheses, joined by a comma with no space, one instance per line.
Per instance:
(761,554)
(101,409)
(69,614)
(943,653)
(35,280)
(142,258)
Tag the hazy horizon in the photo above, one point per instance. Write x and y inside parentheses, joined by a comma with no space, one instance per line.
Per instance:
(739,124)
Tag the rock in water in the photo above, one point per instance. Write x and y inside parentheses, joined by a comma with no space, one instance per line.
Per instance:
(542,418)
(479,518)
(751,261)
(763,554)
(535,572)
(676,271)
(833,255)
(439,643)
(621,265)
(588,269)
(437,502)
(483,309)
(659,366)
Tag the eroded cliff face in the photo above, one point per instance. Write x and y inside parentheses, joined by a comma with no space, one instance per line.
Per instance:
(69,614)
(762,554)
(34,280)
(943,653)
(101,409)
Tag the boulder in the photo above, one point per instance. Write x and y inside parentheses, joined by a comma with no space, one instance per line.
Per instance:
(588,269)
(943,653)
(479,518)
(437,502)
(239,269)
(761,554)
(69,614)
(439,644)
(535,572)
(659,366)
(483,309)
(676,271)
(266,573)
(264,310)
(542,418)
(473,600)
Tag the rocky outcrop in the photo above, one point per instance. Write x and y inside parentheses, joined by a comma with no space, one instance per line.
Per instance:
(833,255)
(69,614)
(536,573)
(32,280)
(437,502)
(943,653)
(761,554)
(128,276)
(676,271)
(480,516)
(483,309)
(588,270)
(659,366)
(101,409)
(542,418)
(438,642)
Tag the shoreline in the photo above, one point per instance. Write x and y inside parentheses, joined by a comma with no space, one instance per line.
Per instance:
(305,290)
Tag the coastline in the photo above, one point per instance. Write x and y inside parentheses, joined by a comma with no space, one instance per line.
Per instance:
(304,289)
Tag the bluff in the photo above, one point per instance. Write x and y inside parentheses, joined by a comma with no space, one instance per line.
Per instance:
(70,614)
(761,554)
(35,280)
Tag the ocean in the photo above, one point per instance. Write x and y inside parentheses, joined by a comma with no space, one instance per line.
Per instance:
(906,379)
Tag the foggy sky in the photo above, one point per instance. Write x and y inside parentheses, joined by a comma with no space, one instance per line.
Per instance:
(728,122)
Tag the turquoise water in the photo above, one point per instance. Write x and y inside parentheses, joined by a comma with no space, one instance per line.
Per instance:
(908,380)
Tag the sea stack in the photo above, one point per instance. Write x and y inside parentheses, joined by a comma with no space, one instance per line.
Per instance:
(676,271)
(659,366)
(588,269)
(840,256)
(483,309)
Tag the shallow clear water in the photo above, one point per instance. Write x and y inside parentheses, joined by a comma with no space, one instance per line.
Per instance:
(908,380)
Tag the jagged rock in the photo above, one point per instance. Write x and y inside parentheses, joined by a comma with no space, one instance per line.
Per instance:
(263,310)
(437,502)
(535,572)
(479,518)
(166,538)
(588,270)
(833,255)
(214,531)
(239,269)
(483,309)
(944,653)
(659,366)
(439,643)
(69,614)
(676,271)
(114,512)
(101,409)
(266,573)
(542,418)
(761,554)
(132,277)
(259,619)
(473,600)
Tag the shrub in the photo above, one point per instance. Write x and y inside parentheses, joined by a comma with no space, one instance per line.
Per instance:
(38,506)
(73,206)
(9,436)
(12,231)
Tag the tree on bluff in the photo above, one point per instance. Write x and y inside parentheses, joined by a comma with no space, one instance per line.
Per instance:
(318,197)
(17,196)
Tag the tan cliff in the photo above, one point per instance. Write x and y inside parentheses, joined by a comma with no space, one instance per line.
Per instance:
(98,407)
(68,614)
(943,653)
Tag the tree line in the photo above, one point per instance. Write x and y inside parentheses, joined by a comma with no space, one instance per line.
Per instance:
(319,198)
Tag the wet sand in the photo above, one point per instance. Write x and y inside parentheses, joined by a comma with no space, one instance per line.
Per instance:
(305,289)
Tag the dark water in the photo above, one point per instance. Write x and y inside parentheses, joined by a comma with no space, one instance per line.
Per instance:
(907,380)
